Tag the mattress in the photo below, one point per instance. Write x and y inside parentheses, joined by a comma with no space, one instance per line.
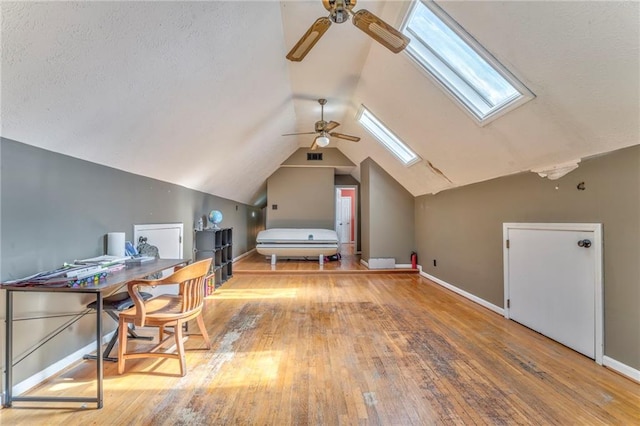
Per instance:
(297,236)
(293,242)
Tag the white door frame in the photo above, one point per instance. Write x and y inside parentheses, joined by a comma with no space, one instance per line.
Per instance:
(596,228)
(354,213)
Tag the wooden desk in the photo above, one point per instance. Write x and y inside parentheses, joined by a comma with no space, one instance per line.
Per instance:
(106,287)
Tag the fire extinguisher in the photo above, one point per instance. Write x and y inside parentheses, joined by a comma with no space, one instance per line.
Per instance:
(414,260)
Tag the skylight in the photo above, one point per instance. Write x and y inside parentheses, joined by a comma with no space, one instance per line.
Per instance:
(466,71)
(386,137)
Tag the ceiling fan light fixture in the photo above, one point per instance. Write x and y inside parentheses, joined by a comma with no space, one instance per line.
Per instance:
(339,12)
(322,140)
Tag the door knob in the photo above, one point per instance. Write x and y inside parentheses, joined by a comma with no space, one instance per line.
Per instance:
(584,243)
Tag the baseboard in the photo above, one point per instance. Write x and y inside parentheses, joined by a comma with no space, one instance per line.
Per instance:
(473,298)
(621,368)
(55,368)
(365,263)
(243,255)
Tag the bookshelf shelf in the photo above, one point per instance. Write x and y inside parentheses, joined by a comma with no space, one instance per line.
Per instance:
(216,244)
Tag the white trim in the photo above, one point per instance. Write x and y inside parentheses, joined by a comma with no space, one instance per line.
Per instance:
(364,263)
(391,142)
(243,255)
(473,298)
(57,367)
(621,368)
(596,228)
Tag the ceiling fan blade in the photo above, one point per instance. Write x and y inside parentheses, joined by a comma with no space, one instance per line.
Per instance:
(331,125)
(309,39)
(380,31)
(345,137)
(305,133)
(314,145)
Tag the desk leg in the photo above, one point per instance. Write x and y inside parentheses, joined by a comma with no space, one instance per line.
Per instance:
(8,356)
(100,361)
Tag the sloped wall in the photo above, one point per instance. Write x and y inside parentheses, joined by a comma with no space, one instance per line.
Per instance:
(462,230)
(56,208)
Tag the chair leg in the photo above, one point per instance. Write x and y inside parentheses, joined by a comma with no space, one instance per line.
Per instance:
(203,330)
(180,348)
(122,344)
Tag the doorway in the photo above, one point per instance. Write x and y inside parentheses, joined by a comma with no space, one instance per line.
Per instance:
(553,282)
(346,213)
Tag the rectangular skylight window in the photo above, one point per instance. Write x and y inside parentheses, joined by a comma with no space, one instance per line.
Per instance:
(386,137)
(466,71)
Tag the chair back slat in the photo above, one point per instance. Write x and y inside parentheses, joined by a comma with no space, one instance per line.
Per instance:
(192,293)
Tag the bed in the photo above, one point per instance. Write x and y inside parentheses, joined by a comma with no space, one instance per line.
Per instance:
(297,242)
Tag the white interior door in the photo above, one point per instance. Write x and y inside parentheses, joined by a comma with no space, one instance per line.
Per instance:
(344,219)
(168,239)
(553,282)
(346,225)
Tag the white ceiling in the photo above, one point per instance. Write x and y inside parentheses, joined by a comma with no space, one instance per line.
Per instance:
(199,93)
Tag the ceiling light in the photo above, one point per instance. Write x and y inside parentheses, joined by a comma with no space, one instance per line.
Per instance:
(322,140)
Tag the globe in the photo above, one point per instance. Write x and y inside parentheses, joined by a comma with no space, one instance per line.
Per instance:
(215,217)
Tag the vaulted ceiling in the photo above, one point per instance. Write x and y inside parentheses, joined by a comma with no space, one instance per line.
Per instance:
(199,93)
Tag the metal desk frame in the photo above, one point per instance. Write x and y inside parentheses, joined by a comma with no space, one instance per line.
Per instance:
(108,286)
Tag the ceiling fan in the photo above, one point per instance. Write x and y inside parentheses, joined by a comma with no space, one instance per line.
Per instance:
(339,12)
(324,129)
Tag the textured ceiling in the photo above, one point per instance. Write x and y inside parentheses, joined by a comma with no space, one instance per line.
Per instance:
(199,93)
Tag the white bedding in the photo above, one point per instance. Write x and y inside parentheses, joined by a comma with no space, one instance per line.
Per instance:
(297,242)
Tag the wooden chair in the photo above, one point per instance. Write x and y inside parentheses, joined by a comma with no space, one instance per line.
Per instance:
(166,311)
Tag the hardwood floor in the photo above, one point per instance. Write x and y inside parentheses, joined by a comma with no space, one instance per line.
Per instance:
(328,349)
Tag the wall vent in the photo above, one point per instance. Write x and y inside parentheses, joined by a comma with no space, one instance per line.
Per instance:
(314,156)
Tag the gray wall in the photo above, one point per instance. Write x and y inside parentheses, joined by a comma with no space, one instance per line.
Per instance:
(56,208)
(462,229)
(387,215)
(305,198)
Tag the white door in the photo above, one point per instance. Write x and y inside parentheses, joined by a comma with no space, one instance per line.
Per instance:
(553,282)
(343,219)
(348,231)
(167,238)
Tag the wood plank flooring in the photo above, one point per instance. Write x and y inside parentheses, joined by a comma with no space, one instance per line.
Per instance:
(334,349)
